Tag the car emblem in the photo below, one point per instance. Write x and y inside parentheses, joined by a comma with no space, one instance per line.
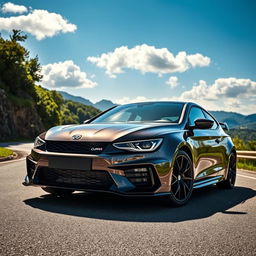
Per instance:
(96,149)
(76,137)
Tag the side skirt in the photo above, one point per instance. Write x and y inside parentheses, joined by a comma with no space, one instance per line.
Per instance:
(207,181)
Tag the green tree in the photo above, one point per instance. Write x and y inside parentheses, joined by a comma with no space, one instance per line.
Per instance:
(48,109)
(18,72)
(239,143)
(75,112)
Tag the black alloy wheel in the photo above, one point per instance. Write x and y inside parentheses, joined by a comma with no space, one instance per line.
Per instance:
(182,179)
(229,183)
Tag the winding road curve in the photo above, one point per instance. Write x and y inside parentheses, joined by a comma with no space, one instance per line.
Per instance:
(215,222)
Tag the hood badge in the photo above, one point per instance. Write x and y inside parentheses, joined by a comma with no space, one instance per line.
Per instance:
(76,137)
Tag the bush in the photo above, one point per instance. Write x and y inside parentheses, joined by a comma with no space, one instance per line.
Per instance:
(246,164)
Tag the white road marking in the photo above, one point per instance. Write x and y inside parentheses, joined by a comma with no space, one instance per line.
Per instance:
(249,177)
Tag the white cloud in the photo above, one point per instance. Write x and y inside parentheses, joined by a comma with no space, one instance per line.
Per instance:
(126,100)
(222,88)
(39,23)
(65,74)
(13,8)
(172,81)
(232,103)
(228,94)
(147,58)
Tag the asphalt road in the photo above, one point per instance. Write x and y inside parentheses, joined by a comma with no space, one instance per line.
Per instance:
(215,222)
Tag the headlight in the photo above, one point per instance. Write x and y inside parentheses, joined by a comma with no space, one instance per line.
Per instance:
(38,142)
(139,145)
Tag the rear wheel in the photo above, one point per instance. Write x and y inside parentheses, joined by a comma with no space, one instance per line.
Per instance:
(231,176)
(182,180)
(58,191)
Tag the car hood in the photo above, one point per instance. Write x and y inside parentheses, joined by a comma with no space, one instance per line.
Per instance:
(108,132)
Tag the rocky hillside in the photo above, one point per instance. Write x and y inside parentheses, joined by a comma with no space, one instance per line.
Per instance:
(17,121)
(25,118)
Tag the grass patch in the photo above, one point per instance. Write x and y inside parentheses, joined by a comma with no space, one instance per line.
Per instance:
(4,152)
(246,164)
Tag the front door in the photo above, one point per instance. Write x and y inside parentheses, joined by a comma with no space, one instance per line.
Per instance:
(208,158)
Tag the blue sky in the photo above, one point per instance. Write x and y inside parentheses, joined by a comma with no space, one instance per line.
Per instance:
(141,40)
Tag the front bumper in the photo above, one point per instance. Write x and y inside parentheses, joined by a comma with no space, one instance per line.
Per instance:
(125,174)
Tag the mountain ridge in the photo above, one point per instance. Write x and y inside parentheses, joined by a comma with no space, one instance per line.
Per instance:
(101,105)
(233,119)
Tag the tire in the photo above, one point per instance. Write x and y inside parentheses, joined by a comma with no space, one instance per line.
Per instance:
(58,191)
(229,183)
(182,180)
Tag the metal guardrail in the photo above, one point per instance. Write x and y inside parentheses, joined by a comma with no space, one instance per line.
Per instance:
(241,154)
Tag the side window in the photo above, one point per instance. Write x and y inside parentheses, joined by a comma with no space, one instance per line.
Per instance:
(207,116)
(195,113)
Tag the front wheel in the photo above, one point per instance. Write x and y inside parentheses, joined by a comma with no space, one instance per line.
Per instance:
(229,183)
(182,180)
(58,191)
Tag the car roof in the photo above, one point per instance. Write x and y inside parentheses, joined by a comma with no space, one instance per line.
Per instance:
(153,102)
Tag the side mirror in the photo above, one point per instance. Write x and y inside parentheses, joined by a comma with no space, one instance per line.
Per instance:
(85,122)
(203,124)
(224,126)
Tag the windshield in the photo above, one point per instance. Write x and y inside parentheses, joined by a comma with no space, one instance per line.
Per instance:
(168,112)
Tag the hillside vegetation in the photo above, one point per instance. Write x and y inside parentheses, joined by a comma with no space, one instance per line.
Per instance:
(243,134)
(25,108)
(101,105)
(54,110)
(236,120)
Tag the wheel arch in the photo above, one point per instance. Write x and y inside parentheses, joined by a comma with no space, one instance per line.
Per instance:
(184,146)
(232,150)
(187,149)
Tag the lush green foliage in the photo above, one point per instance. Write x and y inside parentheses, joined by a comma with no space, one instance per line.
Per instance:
(250,145)
(18,75)
(18,72)
(244,145)
(54,110)
(48,108)
(244,134)
(246,164)
(4,152)
(75,112)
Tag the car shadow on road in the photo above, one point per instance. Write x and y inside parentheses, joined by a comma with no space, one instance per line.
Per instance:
(204,203)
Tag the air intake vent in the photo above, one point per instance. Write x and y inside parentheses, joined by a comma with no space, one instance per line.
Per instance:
(99,180)
(140,177)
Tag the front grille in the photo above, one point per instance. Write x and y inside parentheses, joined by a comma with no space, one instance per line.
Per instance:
(76,147)
(99,180)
